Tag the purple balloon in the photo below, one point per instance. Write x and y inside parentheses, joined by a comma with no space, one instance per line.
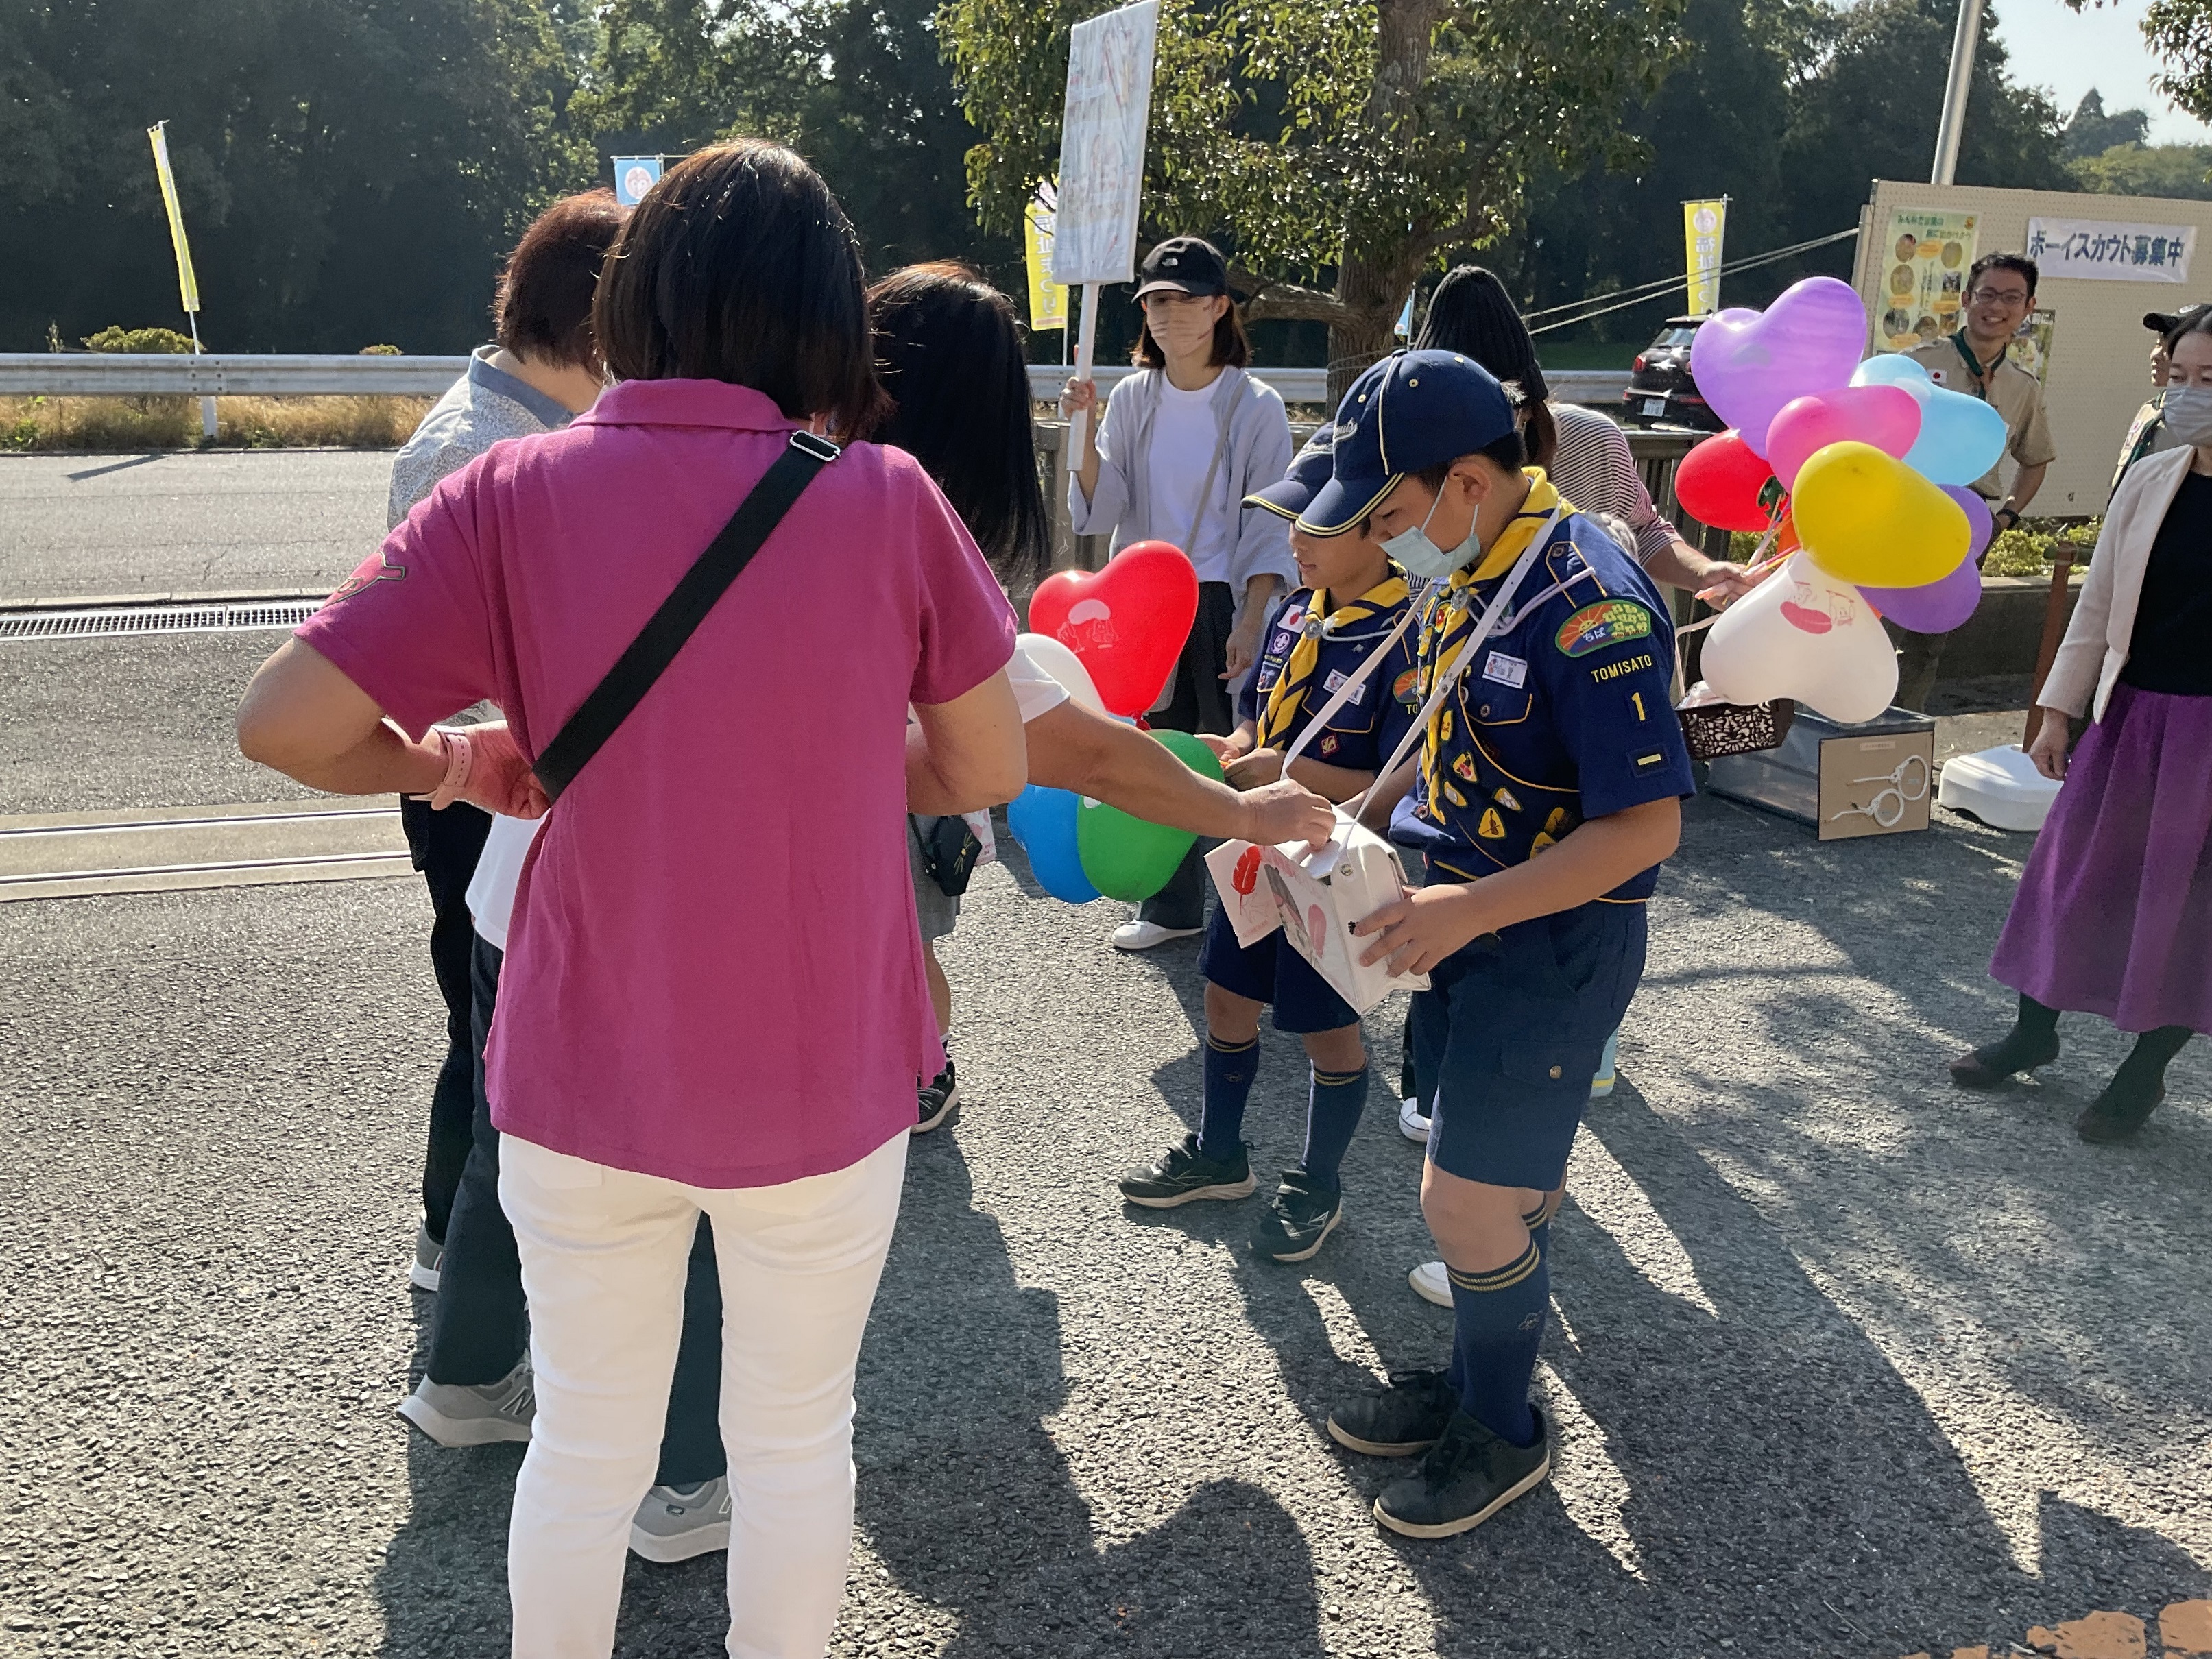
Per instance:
(1938,607)
(1748,364)
(1981,528)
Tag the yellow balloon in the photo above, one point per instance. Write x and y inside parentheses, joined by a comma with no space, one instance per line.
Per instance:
(1870,520)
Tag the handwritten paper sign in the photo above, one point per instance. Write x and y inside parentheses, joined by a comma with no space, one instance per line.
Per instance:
(2094,251)
(1101,145)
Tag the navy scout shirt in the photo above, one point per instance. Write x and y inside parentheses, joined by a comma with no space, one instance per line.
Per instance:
(1565,716)
(1362,734)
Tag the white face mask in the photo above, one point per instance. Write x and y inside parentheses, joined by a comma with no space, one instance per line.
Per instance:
(1420,557)
(2187,412)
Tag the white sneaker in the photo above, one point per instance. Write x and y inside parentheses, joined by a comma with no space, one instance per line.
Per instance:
(675,1523)
(1413,1121)
(429,1256)
(1141,935)
(1432,1282)
(474,1414)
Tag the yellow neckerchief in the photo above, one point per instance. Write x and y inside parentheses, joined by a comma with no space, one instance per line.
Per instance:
(1457,612)
(1289,693)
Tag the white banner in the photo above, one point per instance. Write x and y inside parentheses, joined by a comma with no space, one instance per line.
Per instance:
(1101,145)
(2094,251)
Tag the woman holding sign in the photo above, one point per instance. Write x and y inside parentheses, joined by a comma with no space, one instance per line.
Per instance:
(1183,441)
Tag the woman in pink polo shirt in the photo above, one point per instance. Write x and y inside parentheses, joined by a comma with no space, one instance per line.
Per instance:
(702,1008)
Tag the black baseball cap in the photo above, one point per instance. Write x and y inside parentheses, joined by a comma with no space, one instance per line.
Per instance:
(1184,264)
(2164,322)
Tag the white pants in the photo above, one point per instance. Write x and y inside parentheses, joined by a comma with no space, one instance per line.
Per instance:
(602,1264)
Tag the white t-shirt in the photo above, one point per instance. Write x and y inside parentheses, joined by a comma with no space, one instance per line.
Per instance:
(1185,433)
(499,869)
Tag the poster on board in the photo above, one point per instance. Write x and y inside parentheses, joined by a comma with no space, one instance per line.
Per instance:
(1924,257)
(2031,347)
(1101,145)
(2096,251)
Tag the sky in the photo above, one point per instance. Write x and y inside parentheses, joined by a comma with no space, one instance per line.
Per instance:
(2069,52)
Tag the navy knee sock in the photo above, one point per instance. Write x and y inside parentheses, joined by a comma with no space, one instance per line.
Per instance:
(1497,1326)
(1332,1113)
(1229,1069)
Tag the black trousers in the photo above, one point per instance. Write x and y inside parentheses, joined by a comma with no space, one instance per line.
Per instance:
(445,846)
(480,1331)
(1200,702)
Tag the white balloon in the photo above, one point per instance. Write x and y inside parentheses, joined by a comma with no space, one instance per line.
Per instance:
(1064,666)
(1801,634)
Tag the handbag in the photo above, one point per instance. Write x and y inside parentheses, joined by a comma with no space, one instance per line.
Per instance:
(680,613)
(950,850)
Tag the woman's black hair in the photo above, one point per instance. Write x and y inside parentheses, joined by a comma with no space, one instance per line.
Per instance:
(740,266)
(948,351)
(2200,323)
(1471,312)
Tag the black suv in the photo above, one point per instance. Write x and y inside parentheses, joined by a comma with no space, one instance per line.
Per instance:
(1660,388)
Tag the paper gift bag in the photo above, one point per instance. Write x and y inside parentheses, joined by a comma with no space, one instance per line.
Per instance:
(1315,897)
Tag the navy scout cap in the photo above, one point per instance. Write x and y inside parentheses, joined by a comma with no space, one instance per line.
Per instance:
(1423,409)
(1309,468)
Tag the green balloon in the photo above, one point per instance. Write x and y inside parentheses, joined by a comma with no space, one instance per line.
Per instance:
(1125,857)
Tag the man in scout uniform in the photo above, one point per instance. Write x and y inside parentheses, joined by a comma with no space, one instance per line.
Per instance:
(1546,797)
(2000,297)
(1319,639)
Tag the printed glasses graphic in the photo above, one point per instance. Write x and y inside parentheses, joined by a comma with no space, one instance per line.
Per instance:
(1909,782)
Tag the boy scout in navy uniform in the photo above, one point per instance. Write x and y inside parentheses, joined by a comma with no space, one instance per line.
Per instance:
(1319,637)
(1545,800)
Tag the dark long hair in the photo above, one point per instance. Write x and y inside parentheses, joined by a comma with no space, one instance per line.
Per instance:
(740,266)
(1471,312)
(948,351)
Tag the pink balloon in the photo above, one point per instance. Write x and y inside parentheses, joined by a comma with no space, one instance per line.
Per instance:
(1749,363)
(1936,607)
(1887,416)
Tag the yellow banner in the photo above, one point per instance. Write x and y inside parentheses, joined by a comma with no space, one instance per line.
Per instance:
(1048,299)
(1703,226)
(187,284)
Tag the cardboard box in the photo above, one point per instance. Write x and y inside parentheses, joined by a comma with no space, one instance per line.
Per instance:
(1877,779)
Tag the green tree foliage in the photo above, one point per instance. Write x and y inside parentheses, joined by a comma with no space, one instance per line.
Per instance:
(2091,131)
(1337,142)
(2181,33)
(349,169)
(2178,170)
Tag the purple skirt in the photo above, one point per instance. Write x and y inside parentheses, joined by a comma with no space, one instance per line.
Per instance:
(2114,912)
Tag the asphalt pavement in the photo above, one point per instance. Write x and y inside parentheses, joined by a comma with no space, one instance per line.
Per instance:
(1846,1363)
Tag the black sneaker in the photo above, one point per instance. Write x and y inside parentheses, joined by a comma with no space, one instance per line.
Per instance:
(1405,1416)
(1182,1173)
(1299,1221)
(937,1100)
(1467,1477)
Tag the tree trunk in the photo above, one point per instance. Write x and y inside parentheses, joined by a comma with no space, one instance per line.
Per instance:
(1372,295)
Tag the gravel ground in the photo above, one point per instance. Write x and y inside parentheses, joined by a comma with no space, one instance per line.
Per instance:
(1846,1363)
(232,521)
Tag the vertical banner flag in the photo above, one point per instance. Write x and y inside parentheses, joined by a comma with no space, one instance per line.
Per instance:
(1924,258)
(1703,226)
(634,176)
(187,284)
(1048,299)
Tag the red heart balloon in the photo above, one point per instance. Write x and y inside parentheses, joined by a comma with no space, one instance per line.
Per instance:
(1719,483)
(1887,416)
(1127,623)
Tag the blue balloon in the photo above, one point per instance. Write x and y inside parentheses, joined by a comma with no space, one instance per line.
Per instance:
(1043,821)
(1960,438)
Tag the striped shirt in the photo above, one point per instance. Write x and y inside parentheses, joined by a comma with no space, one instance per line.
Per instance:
(1594,471)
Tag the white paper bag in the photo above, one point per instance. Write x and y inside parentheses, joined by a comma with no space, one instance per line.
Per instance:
(1316,898)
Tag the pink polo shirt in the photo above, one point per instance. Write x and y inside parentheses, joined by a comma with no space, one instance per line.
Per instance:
(713,972)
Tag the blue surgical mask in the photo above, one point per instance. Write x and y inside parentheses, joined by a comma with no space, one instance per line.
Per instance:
(2187,412)
(1420,557)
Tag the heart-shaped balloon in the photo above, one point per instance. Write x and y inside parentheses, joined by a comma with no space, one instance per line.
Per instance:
(1887,416)
(1126,857)
(1043,821)
(1721,483)
(1125,623)
(1803,635)
(1064,666)
(1934,607)
(1961,437)
(1749,363)
(1867,517)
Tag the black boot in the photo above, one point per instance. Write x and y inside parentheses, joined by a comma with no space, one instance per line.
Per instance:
(2033,1042)
(2135,1090)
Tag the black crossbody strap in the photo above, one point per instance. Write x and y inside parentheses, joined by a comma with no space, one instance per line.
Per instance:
(680,613)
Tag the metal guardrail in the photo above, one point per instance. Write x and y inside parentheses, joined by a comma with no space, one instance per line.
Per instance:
(100,374)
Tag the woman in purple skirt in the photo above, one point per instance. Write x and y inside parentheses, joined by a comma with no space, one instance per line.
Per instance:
(2114,913)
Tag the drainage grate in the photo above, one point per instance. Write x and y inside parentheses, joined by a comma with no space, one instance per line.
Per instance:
(97,621)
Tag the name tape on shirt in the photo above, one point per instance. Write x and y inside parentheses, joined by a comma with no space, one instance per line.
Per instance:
(1614,671)
(1335,681)
(1595,626)
(1506,671)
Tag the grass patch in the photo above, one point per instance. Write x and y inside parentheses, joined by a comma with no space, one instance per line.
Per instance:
(174,423)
